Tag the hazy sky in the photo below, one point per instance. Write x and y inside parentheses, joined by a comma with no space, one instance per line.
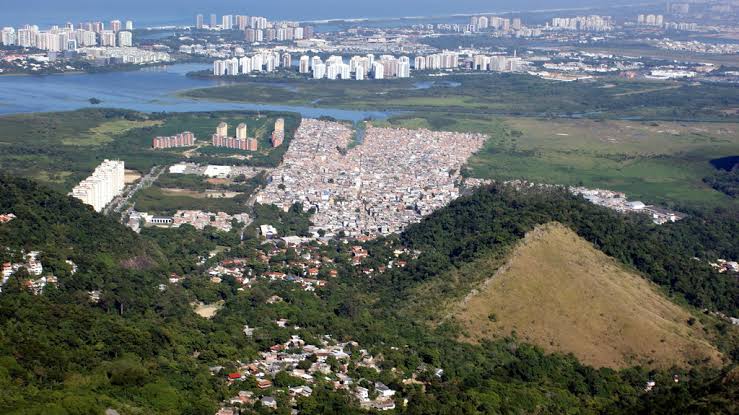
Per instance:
(163,11)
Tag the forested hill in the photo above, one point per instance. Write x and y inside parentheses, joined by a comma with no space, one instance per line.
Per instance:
(498,216)
(49,221)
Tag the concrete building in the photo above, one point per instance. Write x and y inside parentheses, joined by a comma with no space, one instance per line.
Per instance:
(125,39)
(222,129)
(184,139)
(278,136)
(105,183)
(241,132)
(107,38)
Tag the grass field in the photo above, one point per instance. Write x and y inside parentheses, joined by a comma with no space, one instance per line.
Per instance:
(106,132)
(659,162)
(155,200)
(557,291)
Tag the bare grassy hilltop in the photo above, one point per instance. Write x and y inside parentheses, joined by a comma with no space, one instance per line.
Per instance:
(559,292)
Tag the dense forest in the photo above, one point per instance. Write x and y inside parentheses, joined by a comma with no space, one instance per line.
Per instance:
(141,349)
(725,181)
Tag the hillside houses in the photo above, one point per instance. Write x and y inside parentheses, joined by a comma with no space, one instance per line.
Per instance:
(326,362)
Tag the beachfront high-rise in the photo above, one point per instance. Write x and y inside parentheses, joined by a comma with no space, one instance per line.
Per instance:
(105,183)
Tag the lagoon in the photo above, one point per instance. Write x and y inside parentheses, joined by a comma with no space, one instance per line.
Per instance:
(152,89)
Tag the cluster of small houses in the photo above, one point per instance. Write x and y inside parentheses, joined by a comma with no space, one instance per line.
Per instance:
(35,269)
(315,267)
(286,357)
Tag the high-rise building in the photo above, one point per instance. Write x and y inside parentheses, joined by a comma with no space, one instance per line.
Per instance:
(242,22)
(129,25)
(213,21)
(278,136)
(125,39)
(378,70)
(8,36)
(107,38)
(105,183)
(199,24)
(219,68)
(319,71)
(250,35)
(26,36)
(115,25)
(222,129)
(241,132)
(304,66)
(287,60)
(227,22)
(232,67)
(308,32)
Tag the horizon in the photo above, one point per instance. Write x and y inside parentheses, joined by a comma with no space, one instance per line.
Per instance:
(167,12)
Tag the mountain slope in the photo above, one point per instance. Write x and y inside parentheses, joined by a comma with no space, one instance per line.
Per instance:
(561,293)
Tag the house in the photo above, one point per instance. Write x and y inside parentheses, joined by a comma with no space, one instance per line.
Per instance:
(268,231)
(248,331)
(362,393)
(388,405)
(264,383)
(304,391)
(7,217)
(235,376)
(281,323)
(383,390)
(7,269)
(269,402)
(226,411)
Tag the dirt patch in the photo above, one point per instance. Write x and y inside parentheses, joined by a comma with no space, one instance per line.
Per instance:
(131,176)
(207,310)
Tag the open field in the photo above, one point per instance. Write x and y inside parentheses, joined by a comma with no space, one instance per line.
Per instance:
(156,200)
(658,162)
(107,131)
(61,149)
(499,94)
(559,292)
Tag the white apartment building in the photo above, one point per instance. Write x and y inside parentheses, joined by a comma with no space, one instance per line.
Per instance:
(105,183)
(125,39)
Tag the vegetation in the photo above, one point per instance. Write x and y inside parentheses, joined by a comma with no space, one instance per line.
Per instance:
(143,350)
(499,94)
(61,149)
(726,182)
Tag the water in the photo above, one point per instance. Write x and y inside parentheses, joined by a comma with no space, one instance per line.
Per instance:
(149,90)
(429,84)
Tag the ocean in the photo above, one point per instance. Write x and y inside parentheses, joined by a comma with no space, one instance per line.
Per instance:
(182,12)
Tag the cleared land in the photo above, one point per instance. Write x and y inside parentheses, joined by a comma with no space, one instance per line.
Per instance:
(559,292)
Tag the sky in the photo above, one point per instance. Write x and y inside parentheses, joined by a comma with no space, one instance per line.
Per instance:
(152,12)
